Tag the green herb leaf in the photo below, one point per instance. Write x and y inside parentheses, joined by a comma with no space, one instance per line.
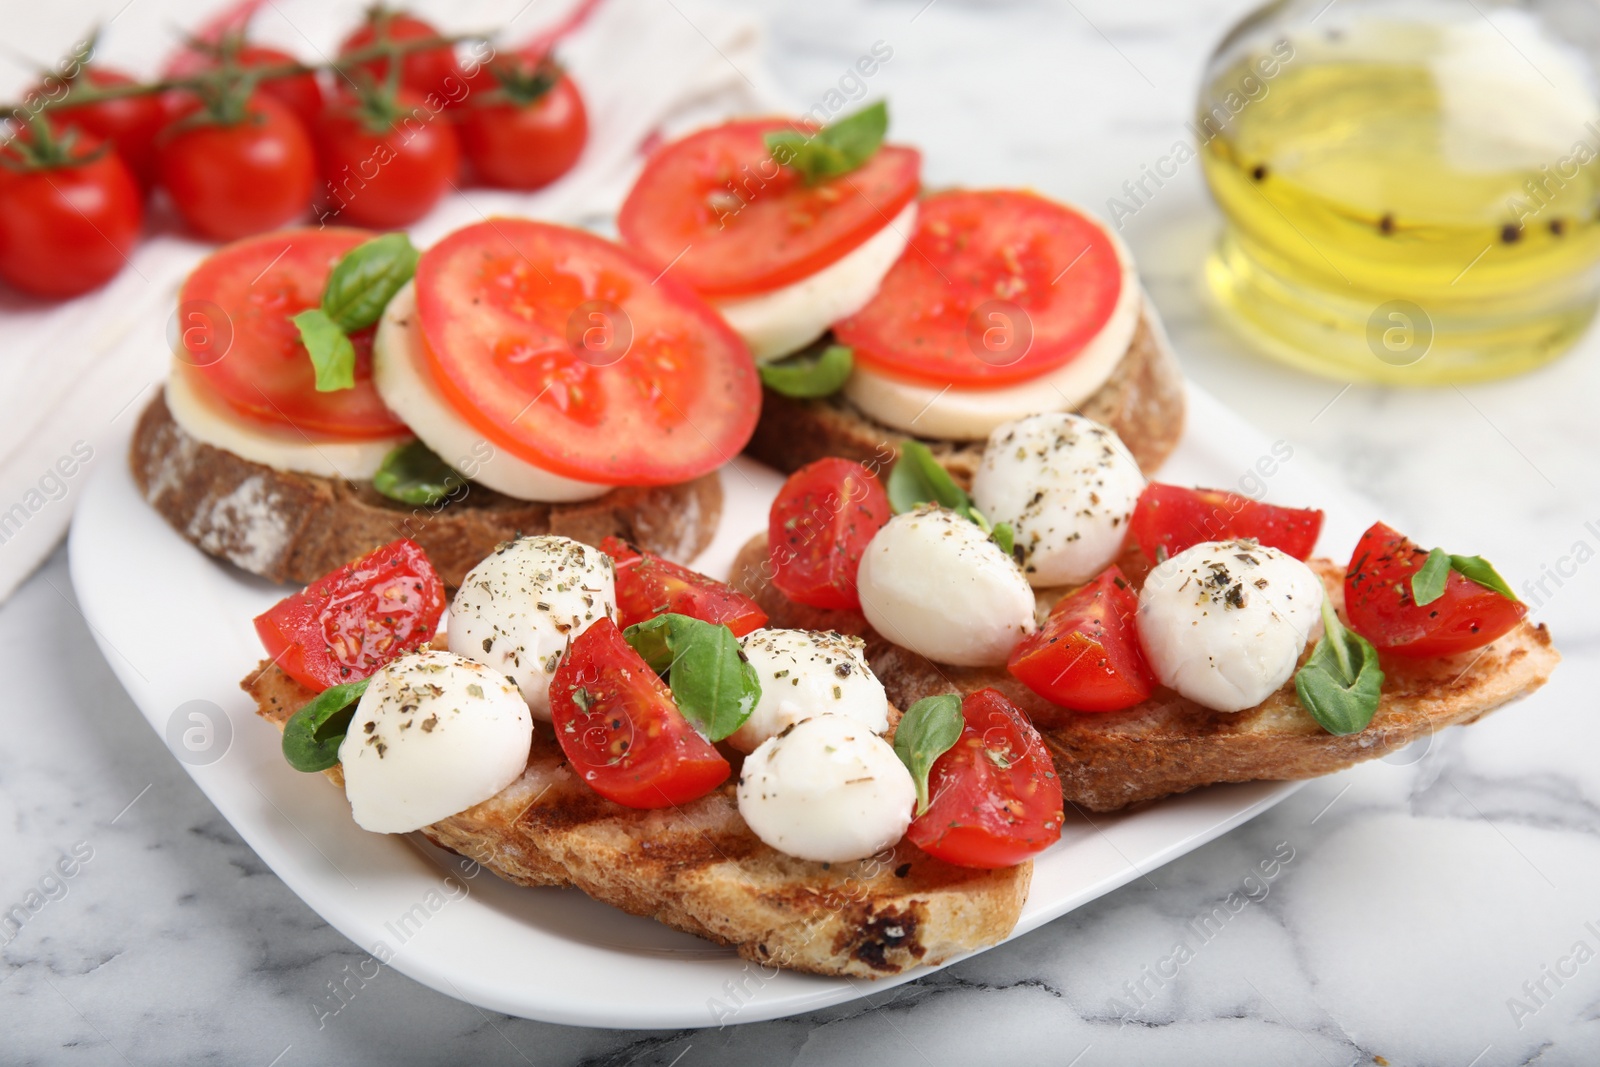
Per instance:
(918,478)
(312,736)
(1478,569)
(809,374)
(1341,683)
(927,730)
(332,354)
(1427,585)
(714,686)
(412,474)
(366,279)
(1003,535)
(838,148)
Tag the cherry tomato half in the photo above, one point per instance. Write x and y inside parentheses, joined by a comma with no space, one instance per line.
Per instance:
(620,729)
(386,179)
(1086,657)
(995,798)
(648,585)
(234,314)
(1381,608)
(526,145)
(67,229)
(232,180)
(345,625)
(1169,519)
(818,528)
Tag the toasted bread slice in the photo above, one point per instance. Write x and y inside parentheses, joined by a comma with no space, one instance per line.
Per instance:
(291,527)
(1142,401)
(699,868)
(1170,745)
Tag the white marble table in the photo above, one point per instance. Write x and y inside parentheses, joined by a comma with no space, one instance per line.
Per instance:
(1422,896)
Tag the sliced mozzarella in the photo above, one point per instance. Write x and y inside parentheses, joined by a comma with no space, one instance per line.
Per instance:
(404,381)
(1067,486)
(933,582)
(805,673)
(209,420)
(1224,623)
(785,320)
(826,789)
(951,413)
(433,735)
(519,609)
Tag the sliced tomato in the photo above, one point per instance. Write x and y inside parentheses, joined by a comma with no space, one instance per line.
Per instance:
(996,800)
(1086,657)
(621,730)
(1169,519)
(1381,608)
(648,585)
(233,321)
(345,625)
(997,287)
(570,352)
(730,221)
(818,528)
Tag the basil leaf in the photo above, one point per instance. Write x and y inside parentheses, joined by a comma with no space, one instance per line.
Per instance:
(838,148)
(1341,683)
(366,279)
(1478,569)
(714,686)
(809,374)
(1003,535)
(1427,585)
(927,730)
(412,474)
(332,354)
(312,736)
(918,478)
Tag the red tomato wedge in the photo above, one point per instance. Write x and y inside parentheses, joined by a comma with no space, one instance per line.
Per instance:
(996,799)
(233,321)
(1381,608)
(648,585)
(1087,657)
(996,288)
(570,352)
(730,221)
(621,730)
(345,625)
(1169,519)
(817,529)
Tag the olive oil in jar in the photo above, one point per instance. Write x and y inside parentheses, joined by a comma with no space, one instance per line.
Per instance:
(1406,201)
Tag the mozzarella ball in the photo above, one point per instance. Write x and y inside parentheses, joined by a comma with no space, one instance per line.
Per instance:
(1224,623)
(826,789)
(933,582)
(1067,486)
(518,610)
(805,673)
(433,735)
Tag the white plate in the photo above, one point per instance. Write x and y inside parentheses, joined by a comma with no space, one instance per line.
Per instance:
(175,626)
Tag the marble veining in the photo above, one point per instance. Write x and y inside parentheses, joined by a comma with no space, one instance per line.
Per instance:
(1437,907)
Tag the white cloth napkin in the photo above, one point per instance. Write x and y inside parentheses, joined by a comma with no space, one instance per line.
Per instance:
(73,375)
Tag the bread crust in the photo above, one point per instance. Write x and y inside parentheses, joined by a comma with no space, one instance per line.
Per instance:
(698,868)
(1168,744)
(1142,401)
(291,527)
